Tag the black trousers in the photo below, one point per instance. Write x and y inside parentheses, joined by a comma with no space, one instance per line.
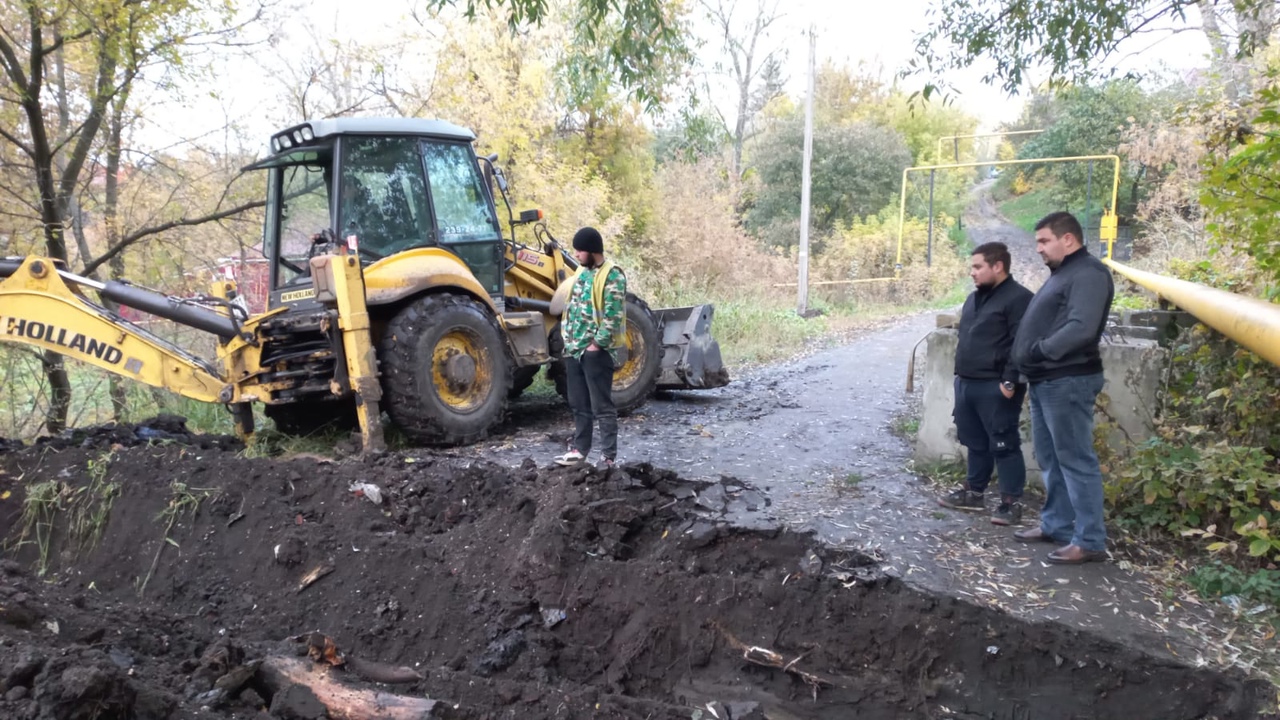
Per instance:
(590,384)
(987,424)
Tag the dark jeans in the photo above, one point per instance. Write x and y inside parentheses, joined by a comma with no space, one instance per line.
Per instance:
(590,384)
(1062,428)
(987,424)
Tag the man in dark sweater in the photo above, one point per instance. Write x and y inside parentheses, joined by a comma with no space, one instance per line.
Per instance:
(988,395)
(1057,350)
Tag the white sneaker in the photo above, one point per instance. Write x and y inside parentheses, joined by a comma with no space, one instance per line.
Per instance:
(569,459)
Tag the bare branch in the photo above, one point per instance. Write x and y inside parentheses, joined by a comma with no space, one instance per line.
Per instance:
(134,237)
(62,40)
(22,200)
(26,149)
(103,93)
(12,66)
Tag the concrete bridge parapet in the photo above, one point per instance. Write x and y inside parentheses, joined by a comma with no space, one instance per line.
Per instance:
(1133,365)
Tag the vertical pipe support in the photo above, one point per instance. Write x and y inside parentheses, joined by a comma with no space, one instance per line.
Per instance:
(928,248)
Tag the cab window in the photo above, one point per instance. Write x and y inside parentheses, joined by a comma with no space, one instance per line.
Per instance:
(299,197)
(384,198)
(463,212)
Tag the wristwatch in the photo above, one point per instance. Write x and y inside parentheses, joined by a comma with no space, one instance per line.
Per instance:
(1007,385)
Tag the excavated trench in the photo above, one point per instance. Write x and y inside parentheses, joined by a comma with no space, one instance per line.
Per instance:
(180,580)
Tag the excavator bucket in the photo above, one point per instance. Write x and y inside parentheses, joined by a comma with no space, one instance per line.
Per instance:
(690,356)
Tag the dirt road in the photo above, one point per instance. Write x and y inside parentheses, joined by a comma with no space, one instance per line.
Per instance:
(821,434)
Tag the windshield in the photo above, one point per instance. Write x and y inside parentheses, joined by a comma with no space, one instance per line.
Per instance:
(384,196)
(299,197)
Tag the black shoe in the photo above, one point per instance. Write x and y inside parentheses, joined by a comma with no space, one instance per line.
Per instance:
(1007,514)
(963,499)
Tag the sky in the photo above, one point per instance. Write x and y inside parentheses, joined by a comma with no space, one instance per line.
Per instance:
(879,35)
(883,34)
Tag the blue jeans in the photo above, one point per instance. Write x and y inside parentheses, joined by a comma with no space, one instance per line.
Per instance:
(1062,430)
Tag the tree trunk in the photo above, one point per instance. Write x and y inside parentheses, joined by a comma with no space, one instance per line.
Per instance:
(1134,188)
(740,127)
(111,218)
(59,392)
(117,387)
(51,218)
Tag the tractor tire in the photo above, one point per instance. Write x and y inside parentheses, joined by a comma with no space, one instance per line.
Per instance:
(556,374)
(445,370)
(635,381)
(521,379)
(309,417)
(555,370)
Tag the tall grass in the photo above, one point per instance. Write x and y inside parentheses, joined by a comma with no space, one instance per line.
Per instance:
(1026,210)
(752,330)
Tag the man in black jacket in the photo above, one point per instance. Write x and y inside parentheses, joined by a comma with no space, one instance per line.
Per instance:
(1057,351)
(988,395)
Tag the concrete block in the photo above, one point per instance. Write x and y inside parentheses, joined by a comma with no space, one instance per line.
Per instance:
(1130,398)
(1132,369)
(936,436)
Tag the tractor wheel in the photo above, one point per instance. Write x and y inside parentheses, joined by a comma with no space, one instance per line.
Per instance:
(555,371)
(308,417)
(635,381)
(445,371)
(556,374)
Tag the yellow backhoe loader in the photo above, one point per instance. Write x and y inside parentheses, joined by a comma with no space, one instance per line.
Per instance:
(392,286)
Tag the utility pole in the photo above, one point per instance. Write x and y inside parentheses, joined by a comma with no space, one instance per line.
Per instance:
(802,302)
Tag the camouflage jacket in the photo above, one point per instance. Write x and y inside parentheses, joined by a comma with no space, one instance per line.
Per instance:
(581,327)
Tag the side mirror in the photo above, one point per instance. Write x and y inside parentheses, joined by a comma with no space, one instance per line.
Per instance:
(502,179)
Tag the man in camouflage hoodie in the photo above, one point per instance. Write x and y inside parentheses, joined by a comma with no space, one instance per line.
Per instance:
(594,331)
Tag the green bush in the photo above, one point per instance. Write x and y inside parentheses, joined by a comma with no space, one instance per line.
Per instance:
(1216,275)
(1132,301)
(1219,580)
(1228,495)
(1214,383)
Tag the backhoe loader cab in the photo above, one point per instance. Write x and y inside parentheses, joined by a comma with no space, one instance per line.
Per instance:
(381,187)
(459,317)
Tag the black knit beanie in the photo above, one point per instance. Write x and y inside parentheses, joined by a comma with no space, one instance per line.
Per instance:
(588,240)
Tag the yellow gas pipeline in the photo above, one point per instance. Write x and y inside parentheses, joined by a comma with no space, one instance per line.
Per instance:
(1251,322)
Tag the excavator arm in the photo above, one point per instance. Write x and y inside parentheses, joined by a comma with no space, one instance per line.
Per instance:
(41,305)
(39,308)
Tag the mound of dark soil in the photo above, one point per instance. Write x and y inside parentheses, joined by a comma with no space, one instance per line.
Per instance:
(181,580)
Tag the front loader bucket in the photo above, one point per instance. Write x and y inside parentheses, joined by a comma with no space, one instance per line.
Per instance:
(690,356)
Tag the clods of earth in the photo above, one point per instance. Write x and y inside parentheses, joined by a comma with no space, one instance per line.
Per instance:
(148,573)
